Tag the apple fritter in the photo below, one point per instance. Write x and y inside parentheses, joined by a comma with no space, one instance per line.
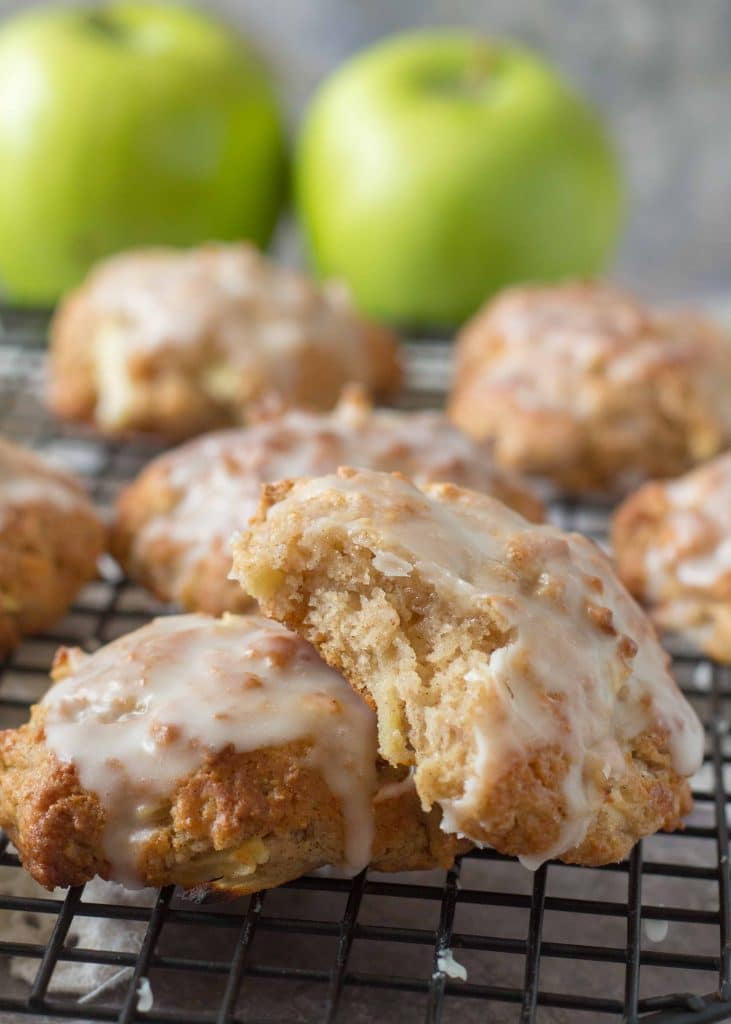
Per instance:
(507,664)
(221,754)
(581,384)
(175,342)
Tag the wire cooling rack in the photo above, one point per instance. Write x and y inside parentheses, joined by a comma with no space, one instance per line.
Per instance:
(645,940)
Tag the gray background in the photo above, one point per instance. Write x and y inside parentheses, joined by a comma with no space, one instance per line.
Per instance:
(659,69)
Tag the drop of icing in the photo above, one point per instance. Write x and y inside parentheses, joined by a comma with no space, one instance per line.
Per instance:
(656,931)
(145,998)
(449,966)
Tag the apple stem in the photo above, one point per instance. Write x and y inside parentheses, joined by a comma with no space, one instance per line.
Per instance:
(480,67)
(100,21)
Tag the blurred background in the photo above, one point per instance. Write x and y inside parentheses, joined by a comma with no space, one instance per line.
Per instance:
(659,71)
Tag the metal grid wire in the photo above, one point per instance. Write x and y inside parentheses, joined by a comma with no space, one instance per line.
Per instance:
(647,939)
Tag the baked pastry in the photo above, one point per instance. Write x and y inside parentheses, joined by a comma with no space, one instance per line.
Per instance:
(672,543)
(202,752)
(177,342)
(506,662)
(50,539)
(175,522)
(581,384)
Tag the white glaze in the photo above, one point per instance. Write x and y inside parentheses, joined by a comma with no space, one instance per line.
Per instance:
(144,712)
(704,570)
(394,790)
(216,480)
(26,479)
(693,546)
(561,679)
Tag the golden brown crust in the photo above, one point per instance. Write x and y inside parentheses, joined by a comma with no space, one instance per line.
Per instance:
(160,341)
(50,539)
(650,797)
(581,384)
(55,824)
(241,823)
(417,650)
(45,558)
(527,808)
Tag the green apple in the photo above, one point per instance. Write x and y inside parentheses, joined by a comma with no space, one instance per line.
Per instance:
(129,124)
(440,166)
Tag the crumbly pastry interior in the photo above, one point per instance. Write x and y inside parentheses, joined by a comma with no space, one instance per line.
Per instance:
(50,538)
(203,752)
(506,662)
(177,342)
(673,548)
(583,385)
(174,523)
